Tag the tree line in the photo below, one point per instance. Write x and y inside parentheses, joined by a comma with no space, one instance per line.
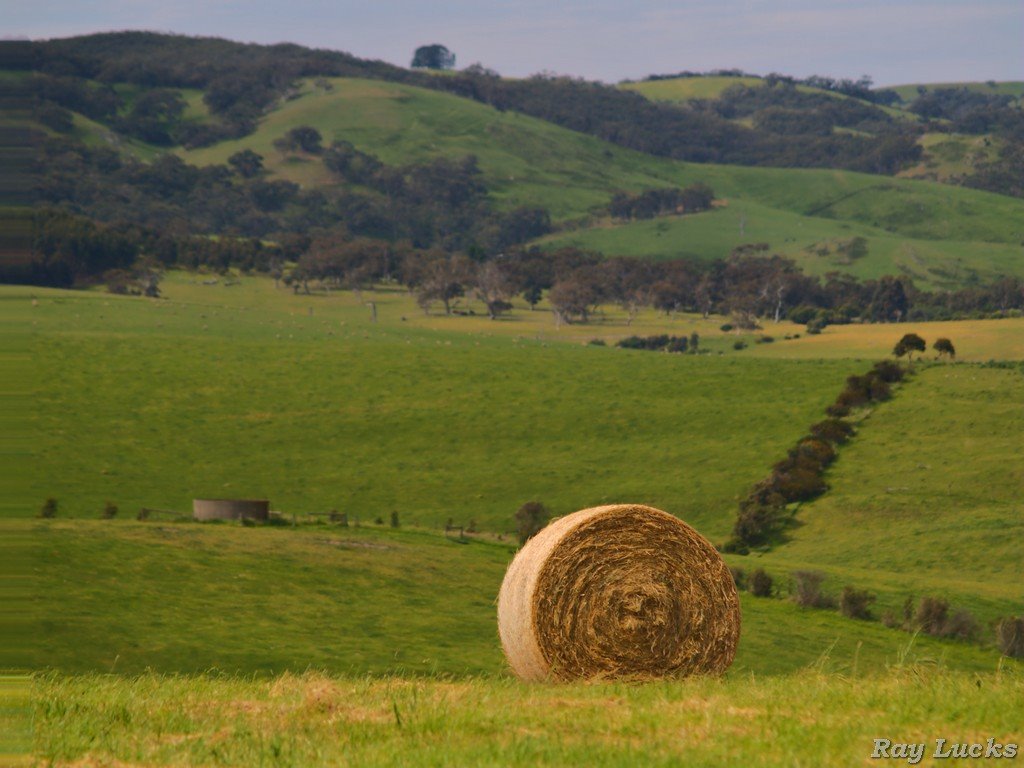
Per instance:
(240,82)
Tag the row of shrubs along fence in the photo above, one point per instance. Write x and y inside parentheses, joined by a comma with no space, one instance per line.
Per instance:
(800,476)
(662,343)
(929,615)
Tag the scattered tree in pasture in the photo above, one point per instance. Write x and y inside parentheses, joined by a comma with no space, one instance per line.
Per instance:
(443,278)
(49,508)
(575,297)
(530,520)
(908,345)
(109,510)
(302,137)
(493,287)
(943,347)
(246,163)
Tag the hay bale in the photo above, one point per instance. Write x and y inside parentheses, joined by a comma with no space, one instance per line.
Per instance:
(620,591)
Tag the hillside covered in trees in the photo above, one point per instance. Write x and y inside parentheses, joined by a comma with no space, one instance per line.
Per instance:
(150,151)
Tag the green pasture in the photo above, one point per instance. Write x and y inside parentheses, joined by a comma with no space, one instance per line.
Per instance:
(815,244)
(686,88)
(123,597)
(304,401)
(928,499)
(682,89)
(1014,88)
(250,390)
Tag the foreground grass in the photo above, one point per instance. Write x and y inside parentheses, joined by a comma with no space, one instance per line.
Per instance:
(807,719)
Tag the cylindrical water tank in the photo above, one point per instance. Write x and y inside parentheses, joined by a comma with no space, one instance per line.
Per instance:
(230,509)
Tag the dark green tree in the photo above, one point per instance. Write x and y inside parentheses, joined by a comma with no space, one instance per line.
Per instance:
(433,56)
(944,347)
(246,163)
(908,345)
(303,137)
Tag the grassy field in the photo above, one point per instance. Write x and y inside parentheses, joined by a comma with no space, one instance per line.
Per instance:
(949,443)
(686,88)
(184,598)
(813,243)
(306,402)
(811,719)
(1014,88)
(250,390)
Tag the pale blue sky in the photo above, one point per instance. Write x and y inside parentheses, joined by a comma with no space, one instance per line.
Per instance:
(894,41)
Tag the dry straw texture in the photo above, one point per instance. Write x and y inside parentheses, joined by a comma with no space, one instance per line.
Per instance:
(620,591)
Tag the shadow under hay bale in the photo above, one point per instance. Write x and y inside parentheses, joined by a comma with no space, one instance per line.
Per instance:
(620,591)
(205,510)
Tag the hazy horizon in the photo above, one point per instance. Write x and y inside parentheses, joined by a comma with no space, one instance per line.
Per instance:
(908,41)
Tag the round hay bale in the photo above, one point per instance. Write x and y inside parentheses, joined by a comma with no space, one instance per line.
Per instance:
(230,509)
(620,591)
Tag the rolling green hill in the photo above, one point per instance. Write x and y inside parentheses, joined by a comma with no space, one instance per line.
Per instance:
(939,234)
(943,236)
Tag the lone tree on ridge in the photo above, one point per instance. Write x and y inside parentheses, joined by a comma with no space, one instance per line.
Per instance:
(434,56)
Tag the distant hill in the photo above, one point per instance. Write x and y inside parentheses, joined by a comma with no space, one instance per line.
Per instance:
(479,173)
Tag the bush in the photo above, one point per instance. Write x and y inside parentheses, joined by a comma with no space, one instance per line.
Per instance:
(814,452)
(738,345)
(760,583)
(756,522)
(109,510)
(735,546)
(961,625)
(838,410)
(807,590)
(725,328)
(677,345)
(889,371)
(833,430)
(931,615)
(394,518)
(49,508)
(596,343)
(1010,636)
(798,483)
(739,577)
(765,339)
(856,603)
(530,520)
